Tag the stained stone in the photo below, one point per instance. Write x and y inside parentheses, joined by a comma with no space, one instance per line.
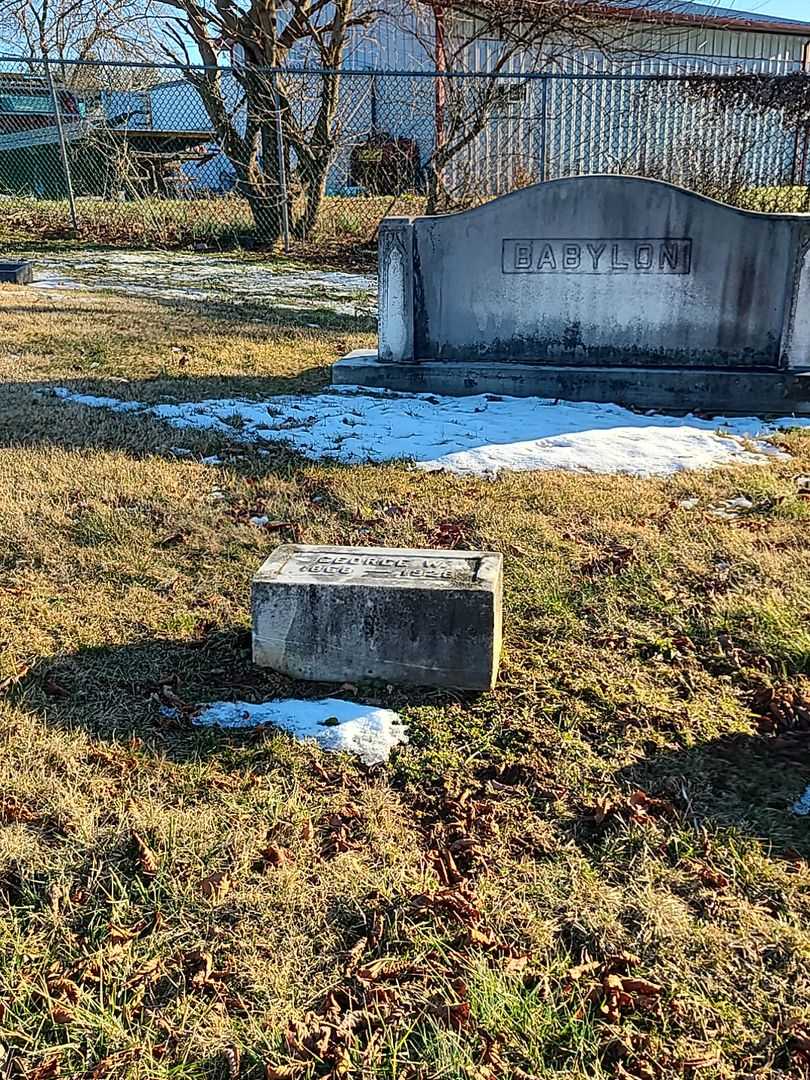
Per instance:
(16,273)
(401,615)
(597,288)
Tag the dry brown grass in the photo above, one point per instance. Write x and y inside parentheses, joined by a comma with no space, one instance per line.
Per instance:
(346,231)
(171,896)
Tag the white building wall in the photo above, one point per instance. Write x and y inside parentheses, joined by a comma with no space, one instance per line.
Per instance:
(556,126)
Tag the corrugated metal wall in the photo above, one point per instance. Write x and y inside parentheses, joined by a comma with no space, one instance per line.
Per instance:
(593,114)
(607,115)
(593,121)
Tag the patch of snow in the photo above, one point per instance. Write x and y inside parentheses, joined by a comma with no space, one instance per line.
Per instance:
(99,402)
(472,435)
(802,804)
(337,725)
(260,521)
(731,508)
(194,277)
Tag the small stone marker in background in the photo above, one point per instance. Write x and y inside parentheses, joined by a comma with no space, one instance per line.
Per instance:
(16,273)
(402,615)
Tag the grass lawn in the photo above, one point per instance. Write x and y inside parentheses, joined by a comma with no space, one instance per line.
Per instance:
(590,872)
(346,230)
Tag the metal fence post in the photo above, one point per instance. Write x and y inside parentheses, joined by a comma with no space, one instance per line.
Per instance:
(543,133)
(282,165)
(57,109)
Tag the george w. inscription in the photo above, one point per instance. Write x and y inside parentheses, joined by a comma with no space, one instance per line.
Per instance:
(401,564)
(597,255)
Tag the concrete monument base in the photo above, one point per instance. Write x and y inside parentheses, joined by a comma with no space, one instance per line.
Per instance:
(718,391)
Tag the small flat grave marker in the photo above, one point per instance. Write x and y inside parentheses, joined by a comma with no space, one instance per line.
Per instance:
(402,615)
(16,273)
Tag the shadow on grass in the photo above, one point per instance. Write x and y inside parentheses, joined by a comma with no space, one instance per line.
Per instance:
(241,315)
(744,783)
(31,415)
(277,316)
(741,783)
(152,688)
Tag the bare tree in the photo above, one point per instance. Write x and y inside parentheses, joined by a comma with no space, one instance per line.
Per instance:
(71,30)
(253,106)
(515,39)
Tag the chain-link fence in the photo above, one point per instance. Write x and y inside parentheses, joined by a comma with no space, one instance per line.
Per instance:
(169,156)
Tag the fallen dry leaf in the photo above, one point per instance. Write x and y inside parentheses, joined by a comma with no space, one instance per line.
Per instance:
(517,963)
(587,968)
(614,999)
(120,935)
(781,709)
(143,973)
(61,1014)
(707,1061)
(12,811)
(715,879)
(274,856)
(216,886)
(456,903)
(61,987)
(147,860)
(612,560)
(43,1070)
(640,986)
(199,966)
(481,938)
(171,540)
(614,992)
(798,1033)
(12,680)
(54,688)
(447,534)
(638,808)
(232,1062)
(456,1016)
(343,831)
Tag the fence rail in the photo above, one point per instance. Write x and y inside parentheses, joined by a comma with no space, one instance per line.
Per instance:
(171,155)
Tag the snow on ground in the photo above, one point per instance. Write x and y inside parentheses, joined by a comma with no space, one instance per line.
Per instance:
(471,435)
(802,804)
(199,277)
(333,724)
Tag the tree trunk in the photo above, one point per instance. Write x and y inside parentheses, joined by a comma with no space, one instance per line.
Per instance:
(314,179)
(266,214)
(436,192)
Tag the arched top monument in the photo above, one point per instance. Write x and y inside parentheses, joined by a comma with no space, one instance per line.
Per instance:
(609,274)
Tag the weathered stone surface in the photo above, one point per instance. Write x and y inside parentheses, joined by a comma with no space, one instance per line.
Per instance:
(16,273)
(678,390)
(602,272)
(423,617)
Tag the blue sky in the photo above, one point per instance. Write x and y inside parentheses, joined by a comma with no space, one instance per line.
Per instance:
(783,9)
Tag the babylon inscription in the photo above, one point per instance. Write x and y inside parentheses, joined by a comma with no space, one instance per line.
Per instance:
(597,255)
